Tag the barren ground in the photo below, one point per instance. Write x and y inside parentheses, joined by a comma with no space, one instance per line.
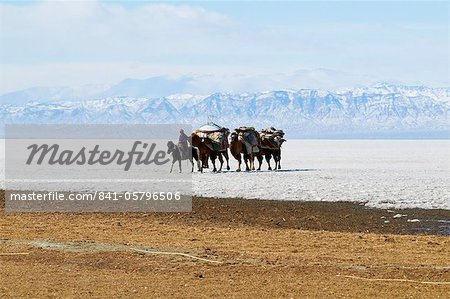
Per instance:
(252,249)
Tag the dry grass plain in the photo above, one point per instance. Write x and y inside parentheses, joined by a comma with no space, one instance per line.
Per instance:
(252,249)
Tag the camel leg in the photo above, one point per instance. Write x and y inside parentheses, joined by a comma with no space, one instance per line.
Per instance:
(214,165)
(197,161)
(260,160)
(279,160)
(195,157)
(252,161)
(275,158)
(268,161)
(221,162)
(239,159)
(206,162)
(228,160)
(202,158)
(179,164)
(246,158)
(200,164)
(213,160)
(173,162)
(237,156)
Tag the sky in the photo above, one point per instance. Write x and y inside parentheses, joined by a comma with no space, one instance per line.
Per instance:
(224,46)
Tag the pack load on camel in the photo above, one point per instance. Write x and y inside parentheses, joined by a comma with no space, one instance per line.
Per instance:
(249,136)
(212,142)
(271,138)
(214,136)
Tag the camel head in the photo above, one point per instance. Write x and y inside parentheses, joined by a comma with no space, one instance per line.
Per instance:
(195,140)
(234,137)
(170,147)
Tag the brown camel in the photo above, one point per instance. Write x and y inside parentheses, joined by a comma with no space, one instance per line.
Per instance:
(206,152)
(238,150)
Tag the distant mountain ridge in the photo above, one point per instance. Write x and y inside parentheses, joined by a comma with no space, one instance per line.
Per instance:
(382,110)
(153,87)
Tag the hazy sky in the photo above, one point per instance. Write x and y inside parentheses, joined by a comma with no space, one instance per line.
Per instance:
(228,45)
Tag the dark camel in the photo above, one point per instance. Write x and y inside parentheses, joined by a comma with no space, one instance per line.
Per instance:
(177,156)
(206,152)
(267,151)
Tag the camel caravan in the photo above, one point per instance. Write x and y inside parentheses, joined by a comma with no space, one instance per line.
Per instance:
(211,142)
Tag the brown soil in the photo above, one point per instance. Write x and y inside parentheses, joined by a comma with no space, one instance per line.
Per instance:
(257,249)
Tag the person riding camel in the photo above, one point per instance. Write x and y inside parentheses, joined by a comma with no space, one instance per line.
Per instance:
(183,142)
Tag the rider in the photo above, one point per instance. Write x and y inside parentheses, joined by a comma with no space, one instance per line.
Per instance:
(183,142)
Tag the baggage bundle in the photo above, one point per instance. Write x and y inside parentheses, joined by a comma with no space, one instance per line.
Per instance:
(271,138)
(250,137)
(214,136)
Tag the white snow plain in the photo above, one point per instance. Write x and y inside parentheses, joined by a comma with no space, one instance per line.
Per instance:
(378,173)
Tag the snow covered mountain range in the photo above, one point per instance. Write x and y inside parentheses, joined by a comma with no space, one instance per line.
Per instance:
(382,110)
